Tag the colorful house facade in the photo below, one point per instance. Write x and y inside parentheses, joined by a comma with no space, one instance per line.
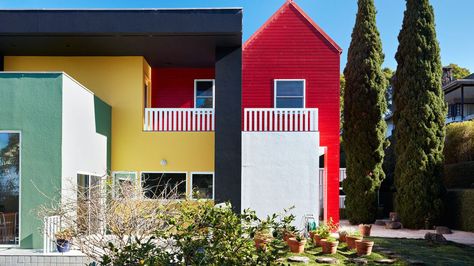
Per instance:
(174,96)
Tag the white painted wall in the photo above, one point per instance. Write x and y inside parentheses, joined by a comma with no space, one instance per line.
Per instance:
(280,170)
(83,150)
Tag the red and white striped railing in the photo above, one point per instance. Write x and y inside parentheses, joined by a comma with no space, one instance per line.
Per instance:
(281,119)
(182,119)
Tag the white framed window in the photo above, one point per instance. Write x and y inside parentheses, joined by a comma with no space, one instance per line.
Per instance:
(202,185)
(204,91)
(90,202)
(164,185)
(123,181)
(289,93)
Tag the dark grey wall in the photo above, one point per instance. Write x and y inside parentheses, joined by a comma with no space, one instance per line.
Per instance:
(228,136)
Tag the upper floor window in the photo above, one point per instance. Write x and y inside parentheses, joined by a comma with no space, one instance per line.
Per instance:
(204,93)
(290,93)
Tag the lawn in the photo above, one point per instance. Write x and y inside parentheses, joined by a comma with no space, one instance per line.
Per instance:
(407,249)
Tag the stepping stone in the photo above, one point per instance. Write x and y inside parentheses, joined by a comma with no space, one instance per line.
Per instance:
(298,259)
(443,230)
(385,261)
(393,225)
(416,262)
(326,260)
(359,261)
(388,252)
(380,222)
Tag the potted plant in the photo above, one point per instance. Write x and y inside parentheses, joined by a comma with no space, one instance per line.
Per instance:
(351,238)
(342,234)
(297,244)
(289,232)
(322,232)
(365,229)
(261,239)
(364,247)
(330,245)
(63,240)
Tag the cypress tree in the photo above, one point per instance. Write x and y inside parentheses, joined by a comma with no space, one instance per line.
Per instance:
(364,127)
(419,118)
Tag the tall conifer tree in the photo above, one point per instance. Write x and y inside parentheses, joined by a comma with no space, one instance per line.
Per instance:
(419,118)
(364,127)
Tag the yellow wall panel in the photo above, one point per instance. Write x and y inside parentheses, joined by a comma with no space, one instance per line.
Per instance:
(119,81)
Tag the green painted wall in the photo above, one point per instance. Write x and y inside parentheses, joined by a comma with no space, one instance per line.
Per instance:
(31,103)
(103,124)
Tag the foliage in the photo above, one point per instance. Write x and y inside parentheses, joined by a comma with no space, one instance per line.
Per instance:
(342,86)
(419,119)
(459,72)
(65,234)
(364,124)
(460,214)
(459,175)
(10,154)
(459,145)
(388,74)
(324,229)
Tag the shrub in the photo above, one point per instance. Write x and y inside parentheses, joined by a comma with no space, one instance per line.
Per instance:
(460,212)
(459,175)
(459,145)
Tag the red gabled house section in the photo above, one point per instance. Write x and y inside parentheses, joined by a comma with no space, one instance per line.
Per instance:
(290,45)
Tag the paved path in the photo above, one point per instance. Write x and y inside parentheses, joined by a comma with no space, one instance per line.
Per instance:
(461,237)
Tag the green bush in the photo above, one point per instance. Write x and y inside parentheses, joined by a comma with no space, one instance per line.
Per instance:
(459,145)
(459,175)
(460,212)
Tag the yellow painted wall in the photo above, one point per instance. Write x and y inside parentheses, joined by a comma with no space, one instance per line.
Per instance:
(119,81)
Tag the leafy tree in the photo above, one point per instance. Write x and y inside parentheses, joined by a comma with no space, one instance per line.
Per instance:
(9,155)
(364,126)
(342,82)
(459,72)
(419,118)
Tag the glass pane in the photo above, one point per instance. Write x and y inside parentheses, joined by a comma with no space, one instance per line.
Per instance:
(289,103)
(164,185)
(124,183)
(204,103)
(290,88)
(204,88)
(9,187)
(202,186)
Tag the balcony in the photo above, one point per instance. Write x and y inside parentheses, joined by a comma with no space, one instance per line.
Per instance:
(179,120)
(281,119)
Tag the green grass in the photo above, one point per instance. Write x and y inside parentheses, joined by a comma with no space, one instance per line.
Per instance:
(409,249)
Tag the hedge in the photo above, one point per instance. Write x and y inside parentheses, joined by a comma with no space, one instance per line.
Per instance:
(460,210)
(459,145)
(459,175)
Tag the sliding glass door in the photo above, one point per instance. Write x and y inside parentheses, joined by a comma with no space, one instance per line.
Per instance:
(9,187)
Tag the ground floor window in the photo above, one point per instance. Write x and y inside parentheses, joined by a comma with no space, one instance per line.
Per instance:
(164,185)
(202,185)
(123,182)
(9,187)
(89,201)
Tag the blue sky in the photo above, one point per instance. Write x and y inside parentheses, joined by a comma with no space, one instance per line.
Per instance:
(336,17)
(3,140)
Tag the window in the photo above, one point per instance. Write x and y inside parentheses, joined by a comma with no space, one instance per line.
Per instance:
(89,201)
(204,93)
(10,149)
(164,185)
(124,182)
(289,93)
(202,185)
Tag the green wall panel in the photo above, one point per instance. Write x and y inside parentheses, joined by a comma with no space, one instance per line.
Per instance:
(31,104)
(103,124)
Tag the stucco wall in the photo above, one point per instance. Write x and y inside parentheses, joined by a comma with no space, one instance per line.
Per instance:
(83,149)
(280,170)
(31,104)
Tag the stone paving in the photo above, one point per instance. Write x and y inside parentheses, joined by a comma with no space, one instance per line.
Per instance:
(461,237)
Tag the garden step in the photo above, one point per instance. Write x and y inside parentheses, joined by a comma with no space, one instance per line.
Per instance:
(326,260)
(300,259)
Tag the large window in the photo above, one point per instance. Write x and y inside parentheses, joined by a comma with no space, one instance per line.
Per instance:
(204,93)
(164,185)
(289,93)
(202,185)
(89,201)
(9,187)
(124,182)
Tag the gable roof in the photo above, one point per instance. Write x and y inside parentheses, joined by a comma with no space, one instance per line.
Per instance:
(289,4)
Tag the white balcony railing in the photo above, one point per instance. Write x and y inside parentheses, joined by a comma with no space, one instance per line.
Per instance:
(281,119)
(52,225)
(182,119)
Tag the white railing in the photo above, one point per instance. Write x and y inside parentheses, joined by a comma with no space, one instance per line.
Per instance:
(179,119)
(342,198)
(342,174)
(52,225)
(281,119)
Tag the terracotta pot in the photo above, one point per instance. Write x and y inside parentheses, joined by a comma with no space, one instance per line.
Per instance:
(364,229)
(287,235)
(364,247)
(351,241)
(261,243)
(323,244)
(296,246)
(342,237)
(317,240)
(330,247)
(311,235)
